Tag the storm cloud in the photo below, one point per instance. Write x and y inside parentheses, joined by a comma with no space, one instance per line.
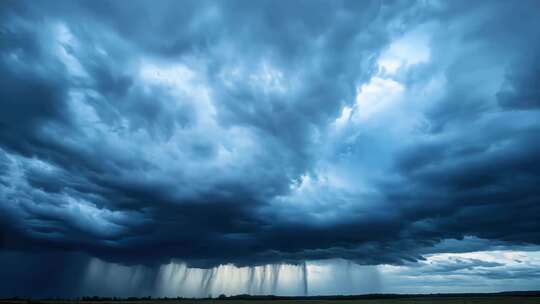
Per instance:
(268,132)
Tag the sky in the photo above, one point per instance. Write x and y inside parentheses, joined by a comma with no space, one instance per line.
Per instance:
(195,148)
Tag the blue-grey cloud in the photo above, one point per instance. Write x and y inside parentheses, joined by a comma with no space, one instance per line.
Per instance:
(266,132)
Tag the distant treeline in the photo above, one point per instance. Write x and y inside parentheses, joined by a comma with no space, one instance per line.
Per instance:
(535,293)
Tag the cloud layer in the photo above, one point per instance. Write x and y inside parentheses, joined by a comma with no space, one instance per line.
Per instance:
(254,133)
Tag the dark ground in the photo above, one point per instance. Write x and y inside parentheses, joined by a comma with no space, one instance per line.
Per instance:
(421,300)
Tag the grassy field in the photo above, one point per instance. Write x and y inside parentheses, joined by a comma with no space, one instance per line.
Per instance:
(423,300)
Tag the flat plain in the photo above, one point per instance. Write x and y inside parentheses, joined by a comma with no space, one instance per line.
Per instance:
(422,300)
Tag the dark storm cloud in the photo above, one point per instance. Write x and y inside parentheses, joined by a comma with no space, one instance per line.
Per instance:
(203,131)
(59,276)
(520,90)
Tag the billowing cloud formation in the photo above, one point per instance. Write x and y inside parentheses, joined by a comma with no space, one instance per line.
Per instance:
(269,132)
